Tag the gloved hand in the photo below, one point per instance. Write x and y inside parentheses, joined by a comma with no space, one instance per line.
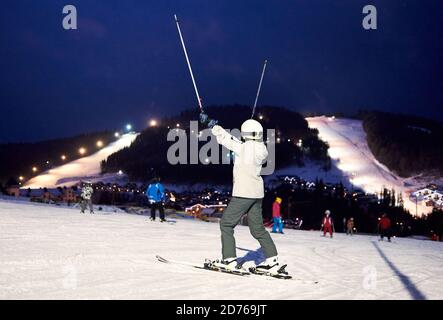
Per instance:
(212,123)
(204,119)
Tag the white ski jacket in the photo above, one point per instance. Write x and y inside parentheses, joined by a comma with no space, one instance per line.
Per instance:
(248,161)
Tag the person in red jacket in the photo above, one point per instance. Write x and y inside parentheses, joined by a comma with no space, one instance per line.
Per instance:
(327,224)
(276,216)
(384,227)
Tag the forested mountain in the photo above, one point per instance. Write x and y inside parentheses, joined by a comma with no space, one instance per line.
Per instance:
(147,156)
(18,159)
(407,145)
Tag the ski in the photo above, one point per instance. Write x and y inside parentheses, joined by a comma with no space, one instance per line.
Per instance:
(252,270)
(284,275)
(281,273)
(206,266)
(166,221)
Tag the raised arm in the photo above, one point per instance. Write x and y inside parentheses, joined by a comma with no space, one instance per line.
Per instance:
(226,139)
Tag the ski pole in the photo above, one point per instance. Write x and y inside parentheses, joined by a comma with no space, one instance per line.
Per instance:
(189,64)
(259,87)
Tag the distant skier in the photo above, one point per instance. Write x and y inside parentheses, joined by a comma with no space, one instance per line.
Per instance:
(384,227)
(350,227)
(276,216)
(156,195)
(345,225)
(86,196)
(247,194)
(327,224)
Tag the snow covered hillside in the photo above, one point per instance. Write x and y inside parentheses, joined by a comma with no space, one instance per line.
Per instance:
(350,150)
(48,252)
(86,167)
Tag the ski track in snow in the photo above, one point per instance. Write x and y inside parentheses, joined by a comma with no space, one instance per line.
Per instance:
(49,252)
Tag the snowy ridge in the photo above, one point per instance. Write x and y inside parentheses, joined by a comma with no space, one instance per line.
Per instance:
(349,149)
(83,168)
(49,252)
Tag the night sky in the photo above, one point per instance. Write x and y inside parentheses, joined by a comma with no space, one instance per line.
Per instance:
(125,62)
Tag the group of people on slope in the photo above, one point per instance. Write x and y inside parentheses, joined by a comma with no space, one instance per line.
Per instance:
(155,193)
(383,226)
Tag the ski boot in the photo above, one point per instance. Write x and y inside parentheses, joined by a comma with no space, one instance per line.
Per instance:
(227,265)
(151,219)
(163,220)
(271,267)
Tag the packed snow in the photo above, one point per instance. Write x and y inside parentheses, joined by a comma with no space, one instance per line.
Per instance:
(349,149)
(49,252)
(84,168)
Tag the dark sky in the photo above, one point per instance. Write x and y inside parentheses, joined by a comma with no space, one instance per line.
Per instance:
(125,62)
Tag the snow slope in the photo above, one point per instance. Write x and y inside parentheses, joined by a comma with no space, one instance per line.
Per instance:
(86,167)
(350,150)
(57,253)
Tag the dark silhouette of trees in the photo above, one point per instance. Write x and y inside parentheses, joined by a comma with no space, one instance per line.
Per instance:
(406,144)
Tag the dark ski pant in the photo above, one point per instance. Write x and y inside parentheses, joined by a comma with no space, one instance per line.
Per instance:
(236,208)
(385,233)
(326,229)
(277,223)
(85,203)
(159,206)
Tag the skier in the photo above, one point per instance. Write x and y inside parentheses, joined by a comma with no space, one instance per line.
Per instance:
(384,227)
(277,216)
(86,196)
(247,194)
(156,196)
(327,224)
(350,227)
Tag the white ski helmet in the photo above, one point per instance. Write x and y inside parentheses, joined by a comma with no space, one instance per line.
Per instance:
(252,129)
(327,212)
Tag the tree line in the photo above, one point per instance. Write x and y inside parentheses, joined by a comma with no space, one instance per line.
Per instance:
(407,145)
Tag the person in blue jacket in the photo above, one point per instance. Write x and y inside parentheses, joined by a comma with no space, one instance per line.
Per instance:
(156,196)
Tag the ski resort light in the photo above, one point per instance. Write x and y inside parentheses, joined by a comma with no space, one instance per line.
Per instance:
(99,143)
(21,178)
(34,169)
(299,143)
(116,134)
(260,117)
(153,123)
(82,151)
(47,161)
(120,172)
(128,127)
(63,157)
